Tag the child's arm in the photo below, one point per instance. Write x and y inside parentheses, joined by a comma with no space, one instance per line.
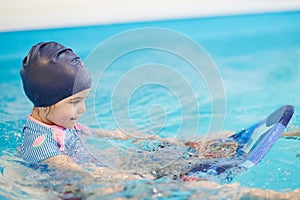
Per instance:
(114,134)
(122,135)
(291,134)
(65,163)
(138,136)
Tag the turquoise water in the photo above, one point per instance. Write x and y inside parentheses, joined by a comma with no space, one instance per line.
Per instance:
(257,57)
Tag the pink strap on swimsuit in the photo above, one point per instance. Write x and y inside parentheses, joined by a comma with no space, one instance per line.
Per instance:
(59,136)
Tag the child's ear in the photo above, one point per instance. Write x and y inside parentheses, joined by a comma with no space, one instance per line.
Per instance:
(44,109)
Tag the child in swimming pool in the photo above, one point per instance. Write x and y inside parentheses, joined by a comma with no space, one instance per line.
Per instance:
(57,83)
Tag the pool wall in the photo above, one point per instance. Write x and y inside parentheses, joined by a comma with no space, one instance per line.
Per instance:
(35,14)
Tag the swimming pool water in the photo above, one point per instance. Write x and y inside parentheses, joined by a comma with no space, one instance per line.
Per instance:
(258,58)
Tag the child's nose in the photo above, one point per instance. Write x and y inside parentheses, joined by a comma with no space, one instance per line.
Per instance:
(82,108)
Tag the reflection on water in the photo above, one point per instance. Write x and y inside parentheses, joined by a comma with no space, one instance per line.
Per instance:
(18,181)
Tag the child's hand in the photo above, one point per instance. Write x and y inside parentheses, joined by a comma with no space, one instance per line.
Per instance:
(121,135)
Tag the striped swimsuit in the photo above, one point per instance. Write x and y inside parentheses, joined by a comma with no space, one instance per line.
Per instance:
(41,141)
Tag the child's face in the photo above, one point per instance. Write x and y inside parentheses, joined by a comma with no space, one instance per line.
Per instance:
(66,112)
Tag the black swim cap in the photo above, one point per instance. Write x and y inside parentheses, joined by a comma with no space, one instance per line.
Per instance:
(52,72)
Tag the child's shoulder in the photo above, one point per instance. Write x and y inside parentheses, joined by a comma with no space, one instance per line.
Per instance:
(36,127)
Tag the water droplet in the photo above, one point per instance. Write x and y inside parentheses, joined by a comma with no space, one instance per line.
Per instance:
(287,172)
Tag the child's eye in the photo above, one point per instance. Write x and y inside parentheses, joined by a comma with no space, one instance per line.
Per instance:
(75,102)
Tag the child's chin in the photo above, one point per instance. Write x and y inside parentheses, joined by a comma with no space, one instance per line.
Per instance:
(70,124)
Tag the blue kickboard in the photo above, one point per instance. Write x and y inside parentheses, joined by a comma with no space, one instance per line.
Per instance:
(253,143)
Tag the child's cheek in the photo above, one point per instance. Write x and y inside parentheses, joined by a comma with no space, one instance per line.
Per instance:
(68,111)
(67,116)
(62,116)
